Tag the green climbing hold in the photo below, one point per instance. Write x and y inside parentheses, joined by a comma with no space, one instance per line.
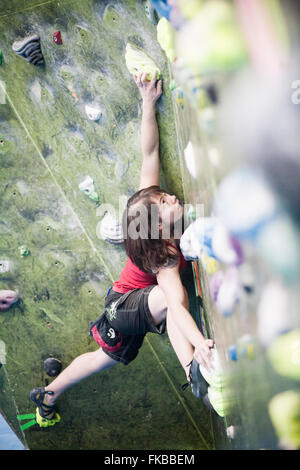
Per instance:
(87,187)
(191,213)
(284,411)
(138,61)
(172,85)
(284,354)
(212,41)
(24,251)
(30,423)
(221,401)
(165,37)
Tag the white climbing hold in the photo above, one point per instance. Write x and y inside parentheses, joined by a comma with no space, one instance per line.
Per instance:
(111,229)
(189,156)
(87,187)
(4,266)
(93,113)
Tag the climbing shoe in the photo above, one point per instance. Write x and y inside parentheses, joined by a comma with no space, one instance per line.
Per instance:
(45,411)
(46,422)
(196,380)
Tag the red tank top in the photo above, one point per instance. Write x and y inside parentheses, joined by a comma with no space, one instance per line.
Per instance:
(133,278)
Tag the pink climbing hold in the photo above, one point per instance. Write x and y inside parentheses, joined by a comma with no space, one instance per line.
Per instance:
(57,37)
(7,298)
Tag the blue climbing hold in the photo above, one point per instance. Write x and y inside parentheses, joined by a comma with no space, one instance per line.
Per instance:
(232,351)
(162,8)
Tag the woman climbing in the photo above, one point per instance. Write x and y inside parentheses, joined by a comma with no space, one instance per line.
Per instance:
(149,295)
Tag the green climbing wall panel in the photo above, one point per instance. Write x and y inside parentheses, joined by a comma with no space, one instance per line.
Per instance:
(47,147)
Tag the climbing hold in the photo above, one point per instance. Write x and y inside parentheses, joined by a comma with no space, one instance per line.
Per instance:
(138,61)
(190,159)
(1,57)
(111,229)
(243,348)
(52,366)
(216,29)
(4,266)
(191,213)
(172,85)
(24,251)
(229,292)
(215,283)
(57,37)
(162,8)
(150,12)
(87,187)
(284,411)
(215,240)
(165,37)
(278,245)
(179,97)
(247,277)
(216,377)
(93,113)
(30,49)
(233,352)
(284,354)
(221,400)
(272,318)
(7,298)
(244,216)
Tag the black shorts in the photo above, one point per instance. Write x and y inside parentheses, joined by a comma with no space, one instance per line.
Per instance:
(121,329)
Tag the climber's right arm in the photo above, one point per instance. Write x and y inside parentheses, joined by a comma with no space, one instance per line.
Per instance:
(150,92)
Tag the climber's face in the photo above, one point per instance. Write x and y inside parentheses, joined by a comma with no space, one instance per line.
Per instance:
(170,208)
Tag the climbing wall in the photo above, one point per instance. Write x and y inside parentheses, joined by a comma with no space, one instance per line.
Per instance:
(240,169)
(52,253)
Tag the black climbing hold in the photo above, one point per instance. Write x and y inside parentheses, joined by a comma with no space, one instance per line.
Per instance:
(52,366)
(30,49)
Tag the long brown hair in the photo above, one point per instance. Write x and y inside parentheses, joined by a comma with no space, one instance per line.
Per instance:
(146,251)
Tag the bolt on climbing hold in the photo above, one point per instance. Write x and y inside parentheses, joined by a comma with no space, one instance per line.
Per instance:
(172,85)
(53,366)
(138,61)
(24,251)
(7,298)
(87,187)
(93,113)
(150,12)
(30,49)
(57,37)
(111,229)
(166,38)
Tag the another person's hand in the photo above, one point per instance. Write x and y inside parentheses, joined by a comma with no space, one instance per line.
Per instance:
(203,353)
(150,90)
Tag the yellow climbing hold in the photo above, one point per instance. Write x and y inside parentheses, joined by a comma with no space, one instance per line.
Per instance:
(45,423)
(138,61)
(165,37)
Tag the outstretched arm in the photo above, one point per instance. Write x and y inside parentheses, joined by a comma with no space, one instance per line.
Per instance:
(169,281)
(150,92)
